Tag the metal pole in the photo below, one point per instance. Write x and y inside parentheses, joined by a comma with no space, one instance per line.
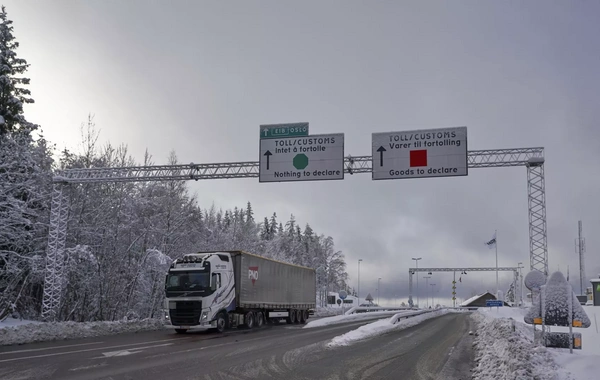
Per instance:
(432,302)
(496,245)
(379,279)
(358,294)
(417,263)
(427,287)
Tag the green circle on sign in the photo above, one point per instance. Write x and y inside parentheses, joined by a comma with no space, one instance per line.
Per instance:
(300,161)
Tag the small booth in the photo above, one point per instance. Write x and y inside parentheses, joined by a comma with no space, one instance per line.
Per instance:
(595,291)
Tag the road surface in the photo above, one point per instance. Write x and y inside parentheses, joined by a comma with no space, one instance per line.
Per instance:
(437,348)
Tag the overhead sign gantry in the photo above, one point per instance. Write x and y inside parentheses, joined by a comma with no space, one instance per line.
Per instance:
(427,153)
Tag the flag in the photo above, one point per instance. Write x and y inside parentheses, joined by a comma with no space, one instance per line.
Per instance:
(492,243)
(460,279)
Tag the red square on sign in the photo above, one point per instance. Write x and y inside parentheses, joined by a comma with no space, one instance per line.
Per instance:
(418,158)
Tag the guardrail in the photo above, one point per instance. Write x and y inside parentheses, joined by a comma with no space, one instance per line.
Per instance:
(398,317)
(368,309)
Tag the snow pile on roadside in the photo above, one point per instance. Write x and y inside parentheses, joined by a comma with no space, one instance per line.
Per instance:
(12,322)
(505,349)
(41,332)
(381,327)
(327,311)
(347,318)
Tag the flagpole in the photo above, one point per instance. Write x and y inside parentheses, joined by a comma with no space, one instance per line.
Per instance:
(496,236)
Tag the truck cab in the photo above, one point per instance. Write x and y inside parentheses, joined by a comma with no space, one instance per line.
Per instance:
(199,291)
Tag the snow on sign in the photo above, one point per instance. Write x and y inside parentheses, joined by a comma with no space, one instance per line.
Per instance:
(421,153)
(310,158)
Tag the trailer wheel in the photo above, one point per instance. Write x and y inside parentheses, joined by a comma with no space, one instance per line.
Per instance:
(250,319)
(303,316)
(291,319)
(180,331)
(260,319)
(221,322)
(298,316)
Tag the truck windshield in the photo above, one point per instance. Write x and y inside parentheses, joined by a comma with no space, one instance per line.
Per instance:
(189,280)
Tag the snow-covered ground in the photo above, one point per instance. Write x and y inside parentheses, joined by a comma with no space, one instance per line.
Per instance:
(347,318)
(505,349)
(382,326)
(20,332)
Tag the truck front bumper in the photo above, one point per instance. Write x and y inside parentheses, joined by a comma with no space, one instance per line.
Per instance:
(203,326)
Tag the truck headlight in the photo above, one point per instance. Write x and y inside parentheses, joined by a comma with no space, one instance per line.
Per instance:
(204,316)
(167,315)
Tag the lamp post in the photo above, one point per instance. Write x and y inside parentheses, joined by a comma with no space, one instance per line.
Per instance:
(520,266)
(417,263)
(426,282)
(432,303)
(358,293)
(379,279)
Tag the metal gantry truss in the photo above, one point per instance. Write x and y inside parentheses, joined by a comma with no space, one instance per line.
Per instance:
(412,271)
(531,158)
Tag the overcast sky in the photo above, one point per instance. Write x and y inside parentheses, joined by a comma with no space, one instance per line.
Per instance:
(200,77)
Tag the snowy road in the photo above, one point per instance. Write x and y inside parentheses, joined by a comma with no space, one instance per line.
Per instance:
(278,352)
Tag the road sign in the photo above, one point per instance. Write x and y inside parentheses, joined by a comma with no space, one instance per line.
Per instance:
(438,152)
(493,303)
(310,158)
(343,294)
(534,280)
(273,131)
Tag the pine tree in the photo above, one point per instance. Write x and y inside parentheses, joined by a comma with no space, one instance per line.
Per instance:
(12,93)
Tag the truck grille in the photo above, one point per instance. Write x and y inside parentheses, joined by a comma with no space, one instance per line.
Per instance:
(186,313)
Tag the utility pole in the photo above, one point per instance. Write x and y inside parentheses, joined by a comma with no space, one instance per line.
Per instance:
(427,287)
(379,279)
(432,303)
(417,263)
(580,248)
(358,293)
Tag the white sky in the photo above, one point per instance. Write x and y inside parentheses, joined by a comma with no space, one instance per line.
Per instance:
(200,77)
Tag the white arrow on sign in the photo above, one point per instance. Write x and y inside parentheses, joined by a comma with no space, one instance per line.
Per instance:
(129,351)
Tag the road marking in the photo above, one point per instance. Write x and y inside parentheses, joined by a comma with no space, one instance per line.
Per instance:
(129,351)
(89,349)
(48,348)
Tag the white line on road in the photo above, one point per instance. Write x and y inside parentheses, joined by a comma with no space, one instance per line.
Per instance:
(129,351)
(89,349)
(48,348)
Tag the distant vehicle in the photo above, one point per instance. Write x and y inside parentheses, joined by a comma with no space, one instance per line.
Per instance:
(224,289)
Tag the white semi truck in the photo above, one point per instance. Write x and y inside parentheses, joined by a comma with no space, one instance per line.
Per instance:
(225,289)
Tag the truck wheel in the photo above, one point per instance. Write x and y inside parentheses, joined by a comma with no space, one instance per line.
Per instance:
(250,319)
(260,319)
(180,331)
(298,316)
(221,322)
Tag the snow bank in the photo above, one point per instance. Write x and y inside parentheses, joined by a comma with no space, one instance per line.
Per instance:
(381,327)
(347,318)
(12,322)
(41,332)
(327,311)
(505,349)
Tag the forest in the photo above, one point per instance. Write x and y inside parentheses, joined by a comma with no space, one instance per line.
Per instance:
(121,236)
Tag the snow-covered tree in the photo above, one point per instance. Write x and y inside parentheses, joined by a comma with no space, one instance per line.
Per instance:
(13,93)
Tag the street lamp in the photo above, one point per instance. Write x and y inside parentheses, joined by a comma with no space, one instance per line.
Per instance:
(417,263)
(379,279)
(426,282)
(358,293)
(432,303)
